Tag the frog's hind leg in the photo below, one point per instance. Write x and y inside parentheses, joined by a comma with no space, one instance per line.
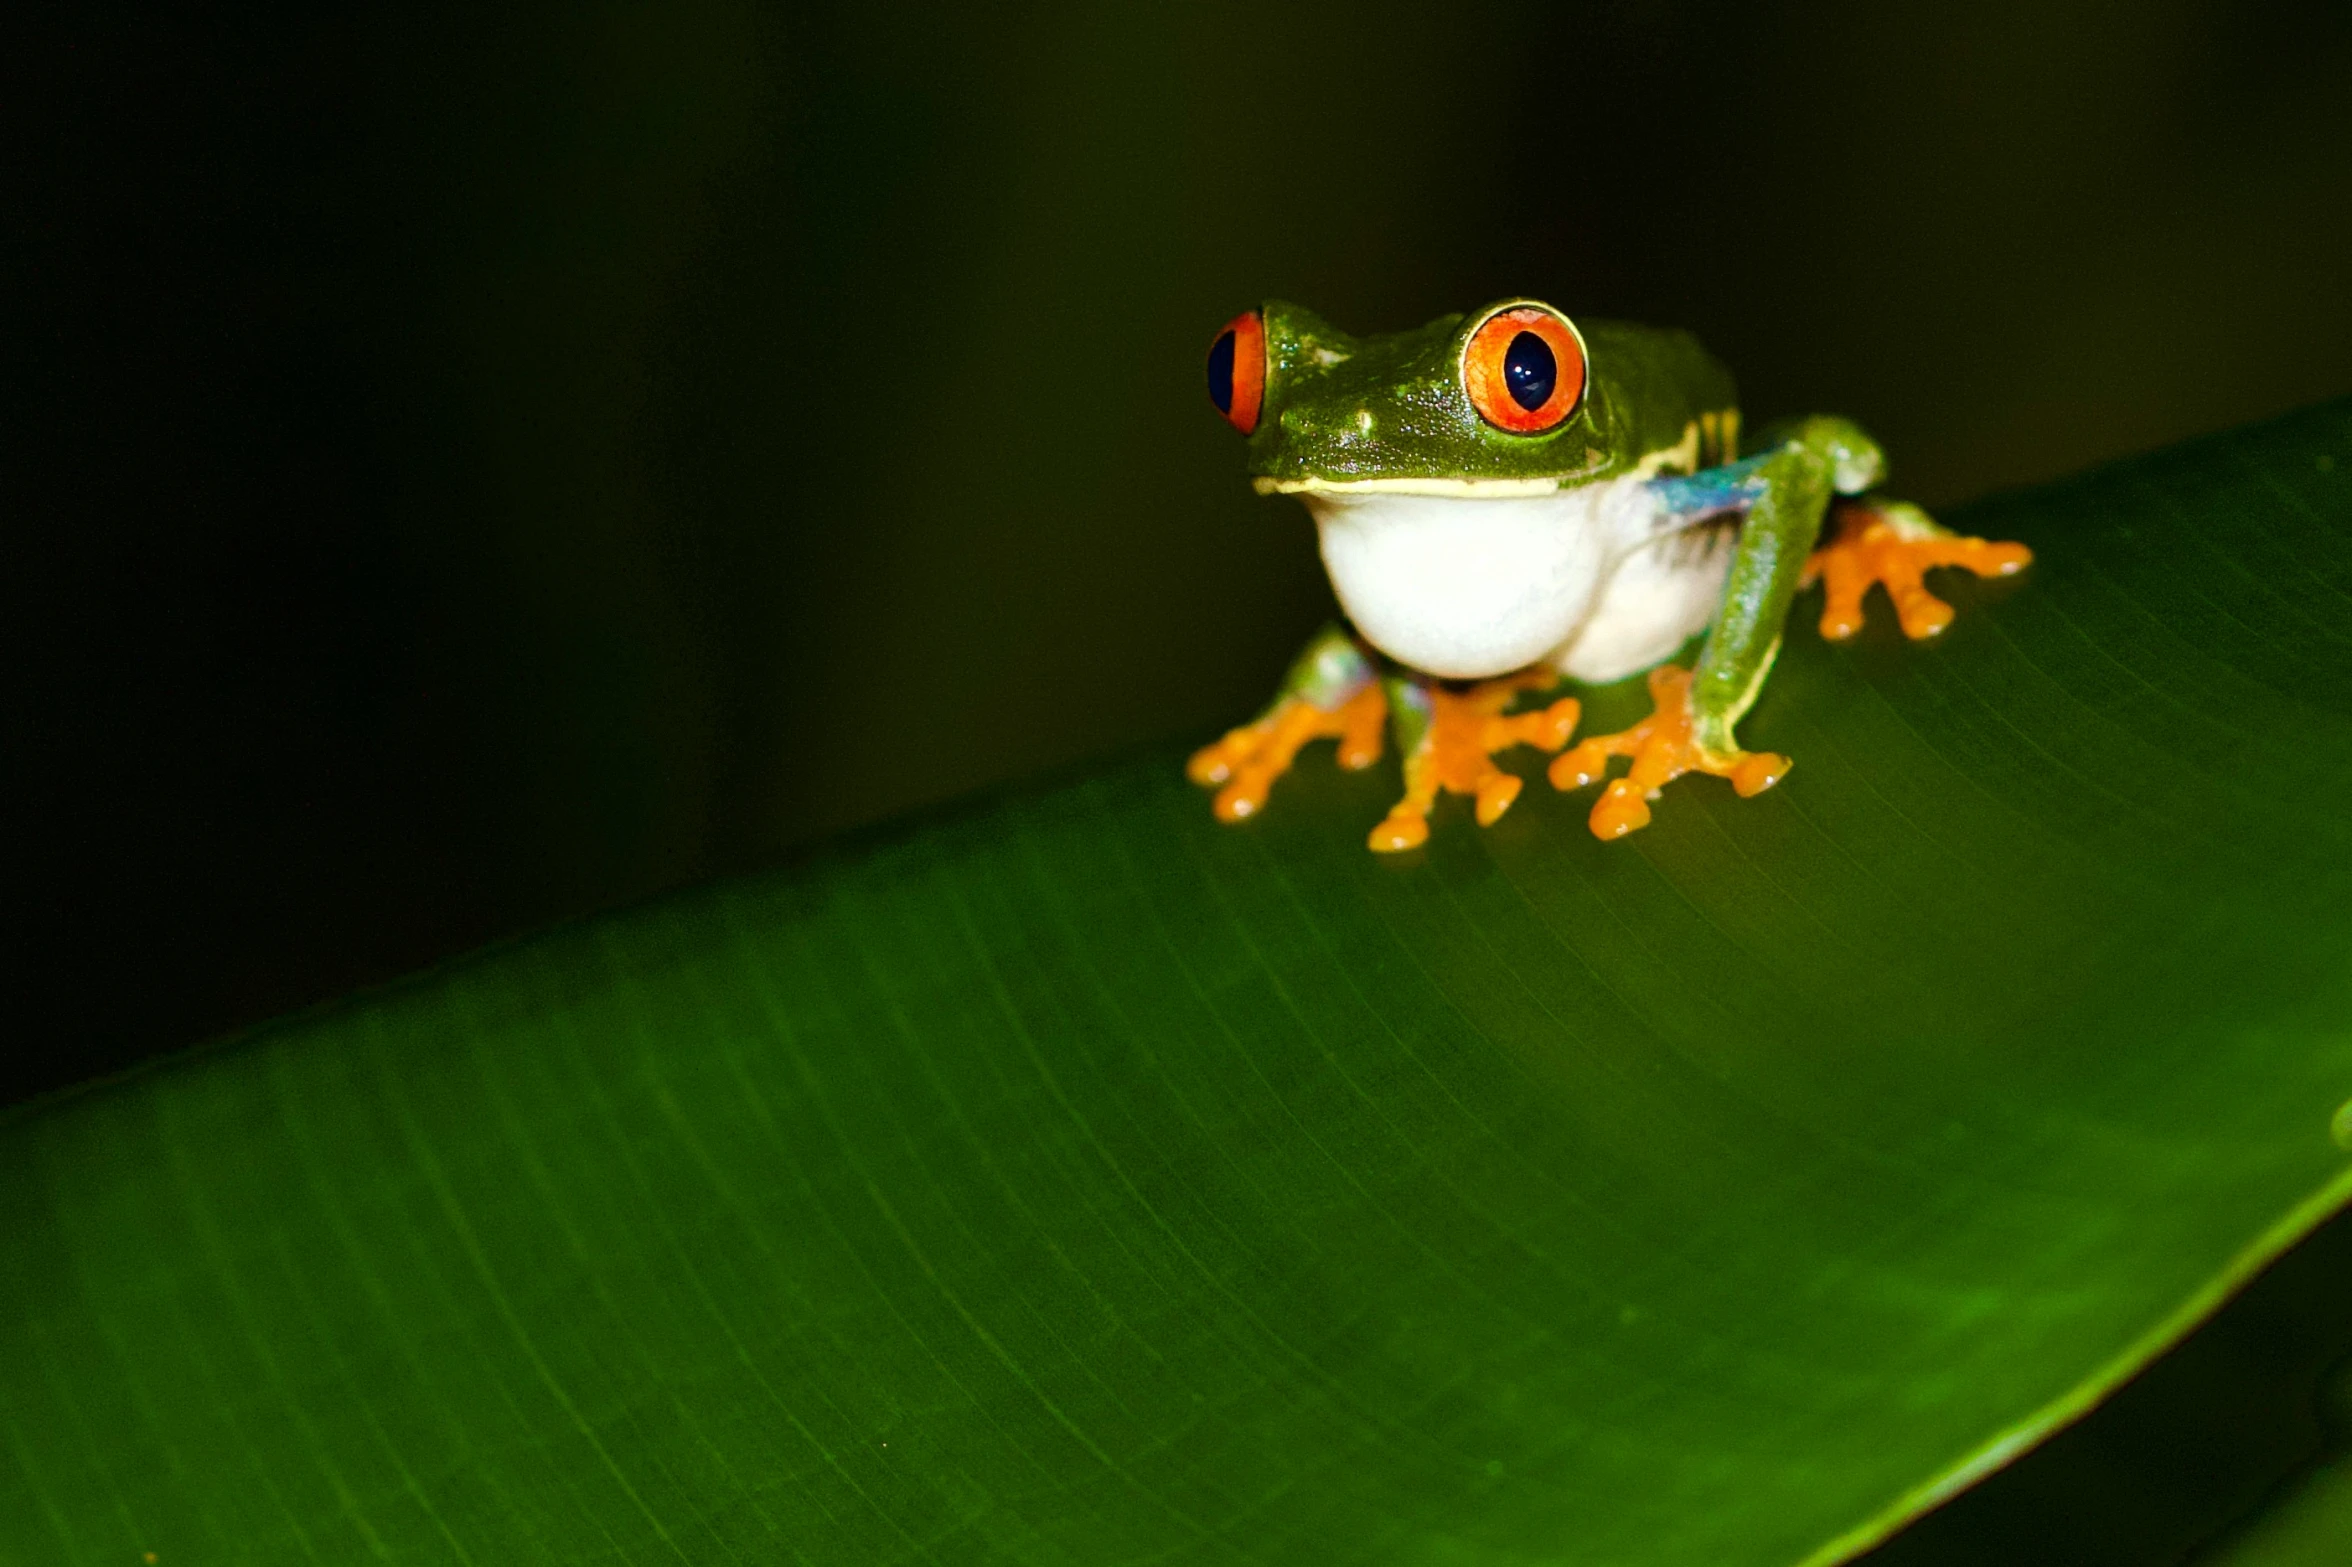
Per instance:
(1892,543)
(1331,692)
(1449,737)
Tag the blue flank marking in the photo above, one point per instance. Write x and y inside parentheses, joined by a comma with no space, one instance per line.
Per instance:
(1686,498)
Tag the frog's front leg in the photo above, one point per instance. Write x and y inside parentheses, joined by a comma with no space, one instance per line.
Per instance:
(1663,747)
(1784,490)
(1448,736)
(1331,692)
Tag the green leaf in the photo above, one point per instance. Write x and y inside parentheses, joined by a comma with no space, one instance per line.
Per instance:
(1068,1179)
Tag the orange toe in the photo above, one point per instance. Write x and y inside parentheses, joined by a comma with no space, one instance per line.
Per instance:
(1456,752)
(1663,748)
(1894,546)
(1248,760)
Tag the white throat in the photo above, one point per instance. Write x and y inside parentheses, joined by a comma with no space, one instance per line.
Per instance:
(1471,587)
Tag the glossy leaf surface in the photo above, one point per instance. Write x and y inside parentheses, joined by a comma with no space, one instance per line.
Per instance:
(1072,1180)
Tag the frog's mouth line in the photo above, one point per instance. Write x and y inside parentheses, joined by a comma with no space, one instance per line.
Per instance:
(1682,457)
(1459,489)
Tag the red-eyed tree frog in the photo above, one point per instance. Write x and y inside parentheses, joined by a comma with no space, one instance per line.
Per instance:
(1509,500)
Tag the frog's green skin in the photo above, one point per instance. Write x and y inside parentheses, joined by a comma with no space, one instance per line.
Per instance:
(1627,510)
(1646,390)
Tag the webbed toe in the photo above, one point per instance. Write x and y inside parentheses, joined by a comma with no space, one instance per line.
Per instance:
(1892,544)
(1663,747)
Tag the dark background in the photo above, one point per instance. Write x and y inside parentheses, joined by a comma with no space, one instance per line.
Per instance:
(460,467)
(464,466)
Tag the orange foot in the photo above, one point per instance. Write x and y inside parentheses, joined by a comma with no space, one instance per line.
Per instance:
(1249,759)
(1893,543)
(1662,750)
(1456,752)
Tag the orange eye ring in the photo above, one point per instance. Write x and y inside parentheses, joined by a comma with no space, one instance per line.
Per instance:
(1524,369)
(1237,370)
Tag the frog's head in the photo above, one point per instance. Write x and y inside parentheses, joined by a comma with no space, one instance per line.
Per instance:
(1434,463)
(1492,403)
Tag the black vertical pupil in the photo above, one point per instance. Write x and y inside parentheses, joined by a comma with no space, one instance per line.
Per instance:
(1221,374)
(1529,370)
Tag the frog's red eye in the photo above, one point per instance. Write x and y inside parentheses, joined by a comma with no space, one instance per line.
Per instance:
(1237,370)
(1524,369)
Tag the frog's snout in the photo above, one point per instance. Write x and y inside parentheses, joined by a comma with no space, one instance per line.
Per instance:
(1353,423)
(1336,440)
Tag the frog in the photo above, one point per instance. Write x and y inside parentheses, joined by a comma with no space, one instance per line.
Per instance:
(1510,502)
